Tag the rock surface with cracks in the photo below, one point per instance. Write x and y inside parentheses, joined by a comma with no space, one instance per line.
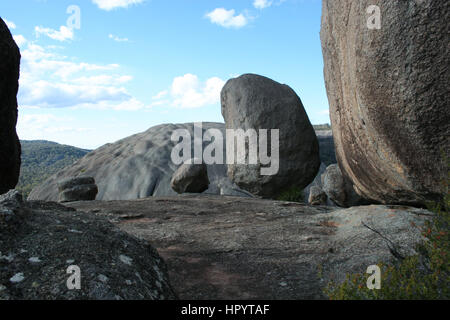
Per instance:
(247,248)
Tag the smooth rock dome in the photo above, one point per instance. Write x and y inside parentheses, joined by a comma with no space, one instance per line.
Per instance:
(137,167)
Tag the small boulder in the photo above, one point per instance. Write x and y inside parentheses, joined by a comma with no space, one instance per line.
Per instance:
(77,189)
(316,182)
(317,196)
(9,203)
(190,178)
(334,185)
(339,189)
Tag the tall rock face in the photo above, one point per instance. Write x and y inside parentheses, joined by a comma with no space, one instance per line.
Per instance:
(388,91)
(256,102)
(9,85)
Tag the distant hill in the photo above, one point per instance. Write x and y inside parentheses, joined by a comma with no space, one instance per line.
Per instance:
(41,159)
(320,127)
(326,143)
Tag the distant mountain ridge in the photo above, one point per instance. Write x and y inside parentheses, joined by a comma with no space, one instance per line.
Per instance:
(322,127)
(41,159)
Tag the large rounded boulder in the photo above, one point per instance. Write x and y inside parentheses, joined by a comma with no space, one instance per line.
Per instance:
(9,85)
(387,78)
(253,102)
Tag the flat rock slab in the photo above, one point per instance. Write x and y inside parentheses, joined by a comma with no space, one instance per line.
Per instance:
(243,248)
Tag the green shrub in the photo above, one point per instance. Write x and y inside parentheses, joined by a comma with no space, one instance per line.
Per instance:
(425,275)
(294,194)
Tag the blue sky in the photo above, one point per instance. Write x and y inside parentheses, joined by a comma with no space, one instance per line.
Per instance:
(133,64)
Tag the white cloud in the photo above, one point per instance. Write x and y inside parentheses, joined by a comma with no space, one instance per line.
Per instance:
(40,62)
(131,104)
(63,34)
(42,123)
(10,24)
(37,121)
(46,94)
(20,40)
(35,52)
(189,92)
(49,80)
(114,4)
(44,126)
(262,4)
(160,95)
(227,18)
(182,85)
(59,68)
(117,39)
(160,103)
(103,80)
